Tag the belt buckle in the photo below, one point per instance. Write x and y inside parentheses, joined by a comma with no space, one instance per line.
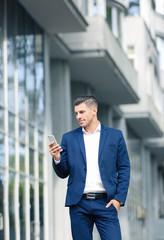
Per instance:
(90,196)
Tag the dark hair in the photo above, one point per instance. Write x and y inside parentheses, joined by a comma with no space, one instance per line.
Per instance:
(87,99)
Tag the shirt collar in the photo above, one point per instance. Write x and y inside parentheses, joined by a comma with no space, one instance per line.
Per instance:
(98,129)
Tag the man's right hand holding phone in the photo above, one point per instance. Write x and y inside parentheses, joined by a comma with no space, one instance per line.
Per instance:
(55,151)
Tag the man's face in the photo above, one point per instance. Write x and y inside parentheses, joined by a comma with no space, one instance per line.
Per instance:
(85,114)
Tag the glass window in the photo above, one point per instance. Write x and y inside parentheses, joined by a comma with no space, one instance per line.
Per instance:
(135,197)
(131,53)
(31,161)
(11,205)
(11,152)
(109,16)
(161,190)
(40,165)
(30,68)
(41,211)
(95,10)
(160,6)
(32,213)
(22,130)
(2,149)
(134,7)
(1,118)
(40,140)
(160,48)
(25,67)
(11,124)
(22,207)
(1,50)
(2,237)
(31,135)
(11,52)
(22,157)
(20,46)
(39,78)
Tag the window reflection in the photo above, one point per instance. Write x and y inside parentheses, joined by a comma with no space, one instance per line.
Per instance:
(2,149)
(1,50)
(1,118)
(41,211)
(109,15)
(160,47)
(22,157)
(41,165)
(11,124)
(40,140)
(31,135)
(11,152)
(22,130)
(135,194)
(20,46)
(32,219)
(2,205)
(11,206)
(25,63)
(22,207)
(30,68)
(134,7)
(31,161)
(39,68)
(11,52)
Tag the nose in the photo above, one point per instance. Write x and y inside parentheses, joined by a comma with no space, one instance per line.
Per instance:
(78,116)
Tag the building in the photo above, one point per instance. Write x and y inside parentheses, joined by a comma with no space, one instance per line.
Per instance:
(52,51)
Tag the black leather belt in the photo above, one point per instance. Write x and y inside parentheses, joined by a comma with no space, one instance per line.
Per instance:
(94,196)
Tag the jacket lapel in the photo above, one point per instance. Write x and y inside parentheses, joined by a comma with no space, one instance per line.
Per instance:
(102,139)
(81,143)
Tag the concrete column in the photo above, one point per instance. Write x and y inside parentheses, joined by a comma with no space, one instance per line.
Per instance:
(61,114)
(120,124)
(60,98)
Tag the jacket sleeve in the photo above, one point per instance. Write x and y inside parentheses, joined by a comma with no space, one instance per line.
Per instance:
(123,171)
(62,168)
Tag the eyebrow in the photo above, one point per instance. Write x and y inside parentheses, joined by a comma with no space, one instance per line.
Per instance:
(81,111)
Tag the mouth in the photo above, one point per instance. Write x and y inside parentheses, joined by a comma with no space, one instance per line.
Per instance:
(81,122)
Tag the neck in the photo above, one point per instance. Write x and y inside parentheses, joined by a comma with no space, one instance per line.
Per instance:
(91,128)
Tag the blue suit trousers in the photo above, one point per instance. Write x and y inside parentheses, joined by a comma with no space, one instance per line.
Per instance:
(87,212)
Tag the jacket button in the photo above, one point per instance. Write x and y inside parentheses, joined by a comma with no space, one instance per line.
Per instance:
(83,180)
(84,169)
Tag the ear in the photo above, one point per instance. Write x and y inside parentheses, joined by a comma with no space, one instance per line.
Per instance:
(95,110)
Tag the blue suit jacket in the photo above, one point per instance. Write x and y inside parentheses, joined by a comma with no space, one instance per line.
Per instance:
(113,160)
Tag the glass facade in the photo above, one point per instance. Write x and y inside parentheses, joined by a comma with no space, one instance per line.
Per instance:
(22,106)
(160,48)
(159,6)
(1,52)
(135,196)
(1,206)
(134,7)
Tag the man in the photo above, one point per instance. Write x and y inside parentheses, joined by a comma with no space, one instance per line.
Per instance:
(96,160)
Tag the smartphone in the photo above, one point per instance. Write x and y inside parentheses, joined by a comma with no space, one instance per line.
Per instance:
(52,139)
